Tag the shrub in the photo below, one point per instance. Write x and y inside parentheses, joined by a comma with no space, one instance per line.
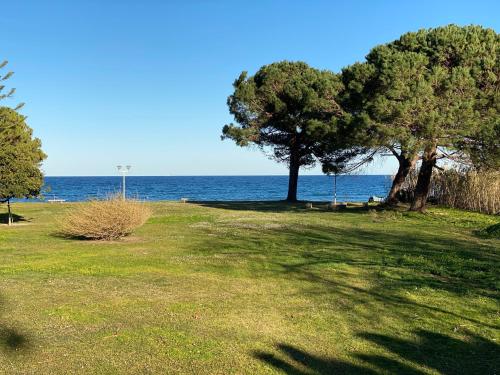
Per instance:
(108,219)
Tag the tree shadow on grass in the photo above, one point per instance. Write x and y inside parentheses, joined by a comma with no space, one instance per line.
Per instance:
(411,262)
(430,350)
(450,264)
(419,259)
(11,339)
(392,262)
(295,361)
(260,206)
(299,206)
(445,354)
(406,270)
(4,217)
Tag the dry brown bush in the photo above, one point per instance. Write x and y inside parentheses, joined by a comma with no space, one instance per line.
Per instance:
(108,219)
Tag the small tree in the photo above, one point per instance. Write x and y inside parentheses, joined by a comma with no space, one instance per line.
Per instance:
(288,107)
(20,159)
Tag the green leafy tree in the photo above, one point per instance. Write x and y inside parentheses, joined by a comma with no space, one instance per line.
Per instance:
(288,108)
(20,159)
(427,91)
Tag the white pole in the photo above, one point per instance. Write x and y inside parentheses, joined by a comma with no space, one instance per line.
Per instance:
(123,185)
(123,171)
(335,189)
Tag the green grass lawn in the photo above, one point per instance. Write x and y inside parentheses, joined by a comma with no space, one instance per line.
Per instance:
(251,288)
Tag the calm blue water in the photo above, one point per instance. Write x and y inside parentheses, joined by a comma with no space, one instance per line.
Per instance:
(217,188)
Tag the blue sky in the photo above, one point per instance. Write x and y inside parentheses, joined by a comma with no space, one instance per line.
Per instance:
(145,82)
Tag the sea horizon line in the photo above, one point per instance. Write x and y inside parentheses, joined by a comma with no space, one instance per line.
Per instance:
(221,175)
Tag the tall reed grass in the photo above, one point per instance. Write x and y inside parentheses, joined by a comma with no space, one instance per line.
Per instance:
(465,189)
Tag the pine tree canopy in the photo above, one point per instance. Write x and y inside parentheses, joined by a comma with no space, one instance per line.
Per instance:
(434,86)
(285,106)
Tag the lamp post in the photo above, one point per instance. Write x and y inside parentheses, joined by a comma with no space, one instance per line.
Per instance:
(123,171)
(335,189)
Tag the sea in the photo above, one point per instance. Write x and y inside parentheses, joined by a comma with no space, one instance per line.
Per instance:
(352,188)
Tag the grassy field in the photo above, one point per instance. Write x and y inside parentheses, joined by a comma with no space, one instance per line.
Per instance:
(251,288)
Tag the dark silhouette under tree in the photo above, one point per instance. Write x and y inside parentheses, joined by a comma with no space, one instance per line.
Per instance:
(11,339)
(430,350)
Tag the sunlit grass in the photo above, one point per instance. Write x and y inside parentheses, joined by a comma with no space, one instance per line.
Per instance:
(252,288)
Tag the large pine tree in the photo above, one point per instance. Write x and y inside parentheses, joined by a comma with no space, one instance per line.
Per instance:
(286,107)
(429,91)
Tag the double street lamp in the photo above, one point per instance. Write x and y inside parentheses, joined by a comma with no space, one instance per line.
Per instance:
(123,170)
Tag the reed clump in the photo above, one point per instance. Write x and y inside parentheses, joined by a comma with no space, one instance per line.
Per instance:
(465,189)
(108,219)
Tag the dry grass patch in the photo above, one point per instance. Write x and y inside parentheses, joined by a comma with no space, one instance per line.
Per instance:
(108,219)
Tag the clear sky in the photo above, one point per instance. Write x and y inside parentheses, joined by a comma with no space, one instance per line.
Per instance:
(145,82)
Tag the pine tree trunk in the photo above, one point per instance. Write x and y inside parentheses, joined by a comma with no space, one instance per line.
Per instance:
(405,166)
(293,178)
(9,213)
(424,179)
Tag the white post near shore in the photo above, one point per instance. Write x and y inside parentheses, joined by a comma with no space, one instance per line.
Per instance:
(335,189)
(123,171)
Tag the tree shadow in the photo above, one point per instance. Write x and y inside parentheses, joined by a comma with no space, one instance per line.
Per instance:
(392,262)
(4,217)
(296,361)
(420,259)
(410,263)
(429,350)
(445,354)
(259,206)
(284,206)
(12,340)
